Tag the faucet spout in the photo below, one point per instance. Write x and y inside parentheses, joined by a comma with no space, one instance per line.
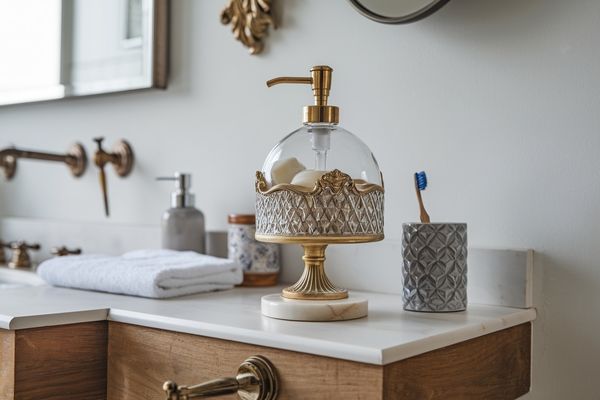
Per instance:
(75,159)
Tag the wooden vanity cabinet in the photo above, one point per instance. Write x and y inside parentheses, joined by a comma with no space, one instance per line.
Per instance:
(54,363)
(494,366)
(115,361)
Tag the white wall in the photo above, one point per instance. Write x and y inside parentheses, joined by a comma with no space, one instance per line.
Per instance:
(498,101)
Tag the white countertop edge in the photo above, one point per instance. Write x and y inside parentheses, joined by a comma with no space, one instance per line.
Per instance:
(402,352)
(274,340)
(252,337)
(388,335)
(5,321)
(319,347)
(63,318)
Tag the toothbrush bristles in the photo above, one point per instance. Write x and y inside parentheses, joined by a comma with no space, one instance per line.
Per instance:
(421,179)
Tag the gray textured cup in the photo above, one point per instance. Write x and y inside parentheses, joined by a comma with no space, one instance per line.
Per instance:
(434,267)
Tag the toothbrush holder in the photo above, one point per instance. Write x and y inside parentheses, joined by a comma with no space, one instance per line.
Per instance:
(434,267)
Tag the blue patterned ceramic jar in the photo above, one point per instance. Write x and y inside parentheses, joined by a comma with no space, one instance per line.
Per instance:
(435,267)
(259,260)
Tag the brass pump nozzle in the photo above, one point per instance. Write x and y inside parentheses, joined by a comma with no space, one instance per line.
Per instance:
(320,80)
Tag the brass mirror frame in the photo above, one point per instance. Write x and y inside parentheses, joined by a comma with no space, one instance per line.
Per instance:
(405,19)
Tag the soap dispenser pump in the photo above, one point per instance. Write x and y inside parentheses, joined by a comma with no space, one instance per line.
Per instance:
(183,224)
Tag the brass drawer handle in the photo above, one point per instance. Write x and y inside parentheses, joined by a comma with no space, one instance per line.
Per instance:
(256,380)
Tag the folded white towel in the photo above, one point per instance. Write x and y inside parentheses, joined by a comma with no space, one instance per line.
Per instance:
(146,273)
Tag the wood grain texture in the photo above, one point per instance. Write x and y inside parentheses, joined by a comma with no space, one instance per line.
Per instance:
(140,359)
(7,364)
(70,362)
(160,66)
(492,367)
(61,362)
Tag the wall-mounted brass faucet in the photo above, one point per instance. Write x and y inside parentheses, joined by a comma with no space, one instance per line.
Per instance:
(65,251)
(121,158)
(75,158)
(3,245)
(20,257)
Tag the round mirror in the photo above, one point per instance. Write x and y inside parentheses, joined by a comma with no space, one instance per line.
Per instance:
(397,11)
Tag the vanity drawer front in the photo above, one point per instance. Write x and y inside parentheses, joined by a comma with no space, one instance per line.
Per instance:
(141,359)
(66,362)
(495,366)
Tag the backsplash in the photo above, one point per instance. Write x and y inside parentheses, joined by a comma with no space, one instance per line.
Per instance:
(496,276)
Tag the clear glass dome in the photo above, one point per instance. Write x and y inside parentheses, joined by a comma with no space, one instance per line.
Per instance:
(303,156)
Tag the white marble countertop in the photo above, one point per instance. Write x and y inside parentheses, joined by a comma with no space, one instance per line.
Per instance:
(387,335)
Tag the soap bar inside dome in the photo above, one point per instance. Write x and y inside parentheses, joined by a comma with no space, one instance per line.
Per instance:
(285,170)
(308,178)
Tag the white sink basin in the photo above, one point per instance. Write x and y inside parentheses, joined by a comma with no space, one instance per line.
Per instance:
(10,278)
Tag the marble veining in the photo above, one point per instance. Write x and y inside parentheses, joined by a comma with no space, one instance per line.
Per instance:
(276,306)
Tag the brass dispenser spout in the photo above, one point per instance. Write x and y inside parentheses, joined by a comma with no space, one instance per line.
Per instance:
(320,80)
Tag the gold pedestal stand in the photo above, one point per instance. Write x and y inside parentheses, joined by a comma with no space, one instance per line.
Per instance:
(314,283)
(314,297)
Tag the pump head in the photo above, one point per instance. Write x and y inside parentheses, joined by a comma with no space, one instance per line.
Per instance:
(181,197)
(320,80)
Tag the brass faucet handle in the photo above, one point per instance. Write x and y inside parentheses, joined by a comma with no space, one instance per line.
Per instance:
(122,159)
(99,141)
(121,156)
(104,190)
(101,157)
(97,160)
(256,380)
(23,245)
(64,251)
(20,256)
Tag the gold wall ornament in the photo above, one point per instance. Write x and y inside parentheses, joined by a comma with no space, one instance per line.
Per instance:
(250,21)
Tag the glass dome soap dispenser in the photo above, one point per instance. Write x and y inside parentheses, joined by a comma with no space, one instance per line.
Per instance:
(319,185)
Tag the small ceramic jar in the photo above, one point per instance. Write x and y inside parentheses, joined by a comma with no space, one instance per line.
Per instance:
(260,261)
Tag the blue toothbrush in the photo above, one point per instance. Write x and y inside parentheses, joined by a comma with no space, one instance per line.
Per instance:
(421,184)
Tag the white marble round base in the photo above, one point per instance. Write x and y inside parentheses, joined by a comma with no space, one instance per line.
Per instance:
(276,306)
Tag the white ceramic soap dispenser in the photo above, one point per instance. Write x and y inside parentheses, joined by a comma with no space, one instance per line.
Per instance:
(183,224)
